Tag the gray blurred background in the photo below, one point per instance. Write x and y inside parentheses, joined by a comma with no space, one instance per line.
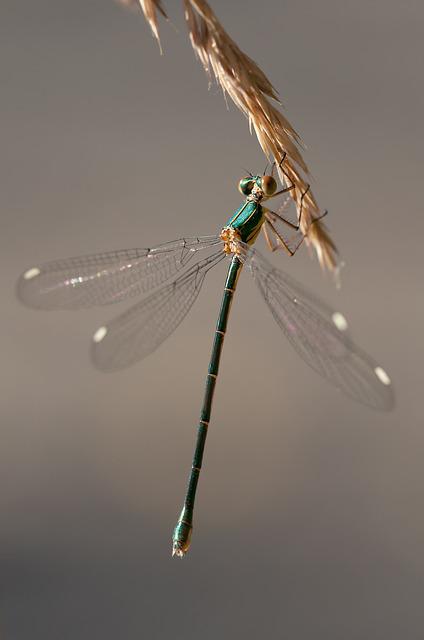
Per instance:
(320,534)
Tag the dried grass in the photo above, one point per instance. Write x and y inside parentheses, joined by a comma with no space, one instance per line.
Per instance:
(251,91)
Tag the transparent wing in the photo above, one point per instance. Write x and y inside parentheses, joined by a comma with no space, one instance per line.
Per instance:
(137,332)
(319,335)
(104,278)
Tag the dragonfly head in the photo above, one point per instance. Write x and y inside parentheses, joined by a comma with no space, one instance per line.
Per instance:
(258,186)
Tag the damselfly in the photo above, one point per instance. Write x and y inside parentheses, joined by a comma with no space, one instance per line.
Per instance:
(177,269)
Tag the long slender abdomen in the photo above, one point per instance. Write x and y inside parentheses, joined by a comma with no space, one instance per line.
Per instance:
(182,532)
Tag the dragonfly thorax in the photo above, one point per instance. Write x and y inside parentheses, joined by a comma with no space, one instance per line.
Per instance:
(247,221)
(231,239)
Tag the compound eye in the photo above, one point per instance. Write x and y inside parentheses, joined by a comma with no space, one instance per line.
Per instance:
(246,185)
(269,185)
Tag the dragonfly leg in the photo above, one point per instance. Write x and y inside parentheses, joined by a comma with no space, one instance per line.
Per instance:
(279,236)
(279,193)
(296,227)
(277,215)
(301,204)
(269,221)
(286,189)
(280,166)
(271,246)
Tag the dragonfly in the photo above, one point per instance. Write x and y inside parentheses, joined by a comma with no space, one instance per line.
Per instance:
(174,273)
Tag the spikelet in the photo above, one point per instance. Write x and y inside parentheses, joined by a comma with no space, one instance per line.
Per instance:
(251,91)
(150,9)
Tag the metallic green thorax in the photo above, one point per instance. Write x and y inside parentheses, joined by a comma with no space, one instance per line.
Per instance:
(247,220)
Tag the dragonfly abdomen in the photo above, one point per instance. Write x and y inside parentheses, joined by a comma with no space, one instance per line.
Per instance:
(247,220)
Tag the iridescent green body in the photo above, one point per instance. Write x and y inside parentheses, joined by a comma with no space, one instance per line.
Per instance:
(182,532)
(247,222)
(313,329)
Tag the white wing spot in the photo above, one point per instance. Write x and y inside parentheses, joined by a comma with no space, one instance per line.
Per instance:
(31,273)
(100,334)
(382,376)
(339,320)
